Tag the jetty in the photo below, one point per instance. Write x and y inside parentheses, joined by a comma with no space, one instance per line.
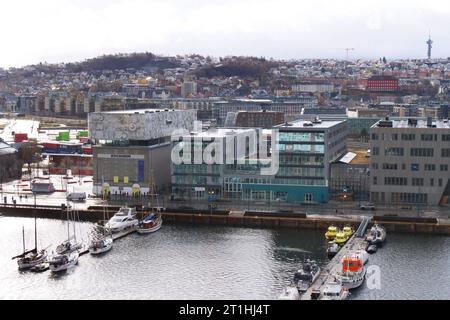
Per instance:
(355,243)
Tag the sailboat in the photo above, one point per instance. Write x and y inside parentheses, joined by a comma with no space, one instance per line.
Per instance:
(102,241)
(70,245)
(152,221)
(31,258)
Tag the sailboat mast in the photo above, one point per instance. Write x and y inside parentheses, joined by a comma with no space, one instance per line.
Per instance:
(35,232)
(23,237)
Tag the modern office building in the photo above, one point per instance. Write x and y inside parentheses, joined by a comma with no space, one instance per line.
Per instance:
(306,150)
(410,161)
(255,119)
(132,151)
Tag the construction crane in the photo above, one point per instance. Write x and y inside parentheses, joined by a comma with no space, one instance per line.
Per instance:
(347,51)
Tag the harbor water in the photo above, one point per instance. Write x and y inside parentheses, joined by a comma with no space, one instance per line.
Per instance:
(206,262)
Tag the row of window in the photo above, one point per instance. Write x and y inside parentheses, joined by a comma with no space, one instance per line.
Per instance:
(414,166)
(302,136)
(414,152)
(402,181)
(301,148)
(409,137)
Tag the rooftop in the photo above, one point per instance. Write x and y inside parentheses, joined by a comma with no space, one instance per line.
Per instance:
(139,111)
(222,132)
(413,123)
(321,124)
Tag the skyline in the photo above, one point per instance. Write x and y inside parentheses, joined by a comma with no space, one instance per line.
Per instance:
(71,31)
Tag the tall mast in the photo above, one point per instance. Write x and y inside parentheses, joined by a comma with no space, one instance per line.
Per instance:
(23,237)
(35,232)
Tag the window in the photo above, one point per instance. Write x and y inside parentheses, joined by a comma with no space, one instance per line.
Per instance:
(375,180)
(374,136)
(376,151)
(430,167)
(440,182)
(446,137)
(375,166)
(389,166)
(422,152)
(308,197)
(393,152)
(444,167)
(394,137)
(408,137)
(427,137)
(446,153)
(395,181)
(415,167)
(417,182)
(432,182)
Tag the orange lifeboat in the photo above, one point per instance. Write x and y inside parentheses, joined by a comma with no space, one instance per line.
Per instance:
(352,264)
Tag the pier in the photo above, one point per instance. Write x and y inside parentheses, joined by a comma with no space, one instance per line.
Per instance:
(355,243)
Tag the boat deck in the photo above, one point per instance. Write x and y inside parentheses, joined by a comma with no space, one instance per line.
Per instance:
(116,236)
(356,242)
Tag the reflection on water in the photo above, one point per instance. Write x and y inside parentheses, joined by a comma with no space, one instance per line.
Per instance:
(202,262)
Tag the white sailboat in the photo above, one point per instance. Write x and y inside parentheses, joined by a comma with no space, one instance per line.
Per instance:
(103,240)
(63,262)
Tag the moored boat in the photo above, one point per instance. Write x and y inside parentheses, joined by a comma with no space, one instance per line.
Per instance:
(63,262)
(101,244)
(307,275)
(333,249)
(151,223)
(353,272)
(331,233)
(377,235)
(341,238)
(334,291)
(348,231)
(372,248)
(125,218)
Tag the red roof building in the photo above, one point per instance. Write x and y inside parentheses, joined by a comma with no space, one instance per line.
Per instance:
(383,84)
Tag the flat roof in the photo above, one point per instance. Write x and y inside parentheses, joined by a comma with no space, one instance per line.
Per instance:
(421,124)
(221,132)
(301,124)
(140,111)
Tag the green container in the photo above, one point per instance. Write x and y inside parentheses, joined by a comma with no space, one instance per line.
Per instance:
(63,136)
(84,134)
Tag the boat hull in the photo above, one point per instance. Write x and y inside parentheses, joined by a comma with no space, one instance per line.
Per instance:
(73,261)
(31,264)
(101,250)
(354,281)
(150,230)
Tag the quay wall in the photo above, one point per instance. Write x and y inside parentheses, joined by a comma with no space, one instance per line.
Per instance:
(223,219)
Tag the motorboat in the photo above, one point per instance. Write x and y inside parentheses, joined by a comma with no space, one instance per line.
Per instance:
(290,293)
(341,238)
(151,223)
(353,272)
(125,218)
(68,246)
(331,233)
(377,235)
(63,262)
(307,275)
(373,248)
(334,291)
(348,231)
(333,249)
(101,244)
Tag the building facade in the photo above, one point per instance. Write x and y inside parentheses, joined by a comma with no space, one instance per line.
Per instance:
(410,161)
(383,84)
(132,151)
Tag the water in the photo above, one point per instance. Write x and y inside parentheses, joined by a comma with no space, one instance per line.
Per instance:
(203,262)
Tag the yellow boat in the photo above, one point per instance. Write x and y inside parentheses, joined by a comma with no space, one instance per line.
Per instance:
(348,231)
(331,233)
(341,238)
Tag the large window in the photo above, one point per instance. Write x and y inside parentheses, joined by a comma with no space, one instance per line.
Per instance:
(395,181)
(422,152)
(446,153)
(393,152)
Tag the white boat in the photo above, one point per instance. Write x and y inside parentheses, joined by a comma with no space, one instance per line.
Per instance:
(150,223)
(63,262)
(125,218)
(290,293)
(353,272)
(334,291)
(68,246)
(101,245)
(333,249)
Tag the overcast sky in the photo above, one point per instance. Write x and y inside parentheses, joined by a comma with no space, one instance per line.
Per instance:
(70,30)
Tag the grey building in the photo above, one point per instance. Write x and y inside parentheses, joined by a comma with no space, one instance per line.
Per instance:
(132,151)
(410,161)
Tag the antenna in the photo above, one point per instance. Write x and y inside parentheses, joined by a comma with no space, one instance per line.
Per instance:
(430,45)
(347,51)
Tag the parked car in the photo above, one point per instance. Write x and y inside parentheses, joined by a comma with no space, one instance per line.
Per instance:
(368,206)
